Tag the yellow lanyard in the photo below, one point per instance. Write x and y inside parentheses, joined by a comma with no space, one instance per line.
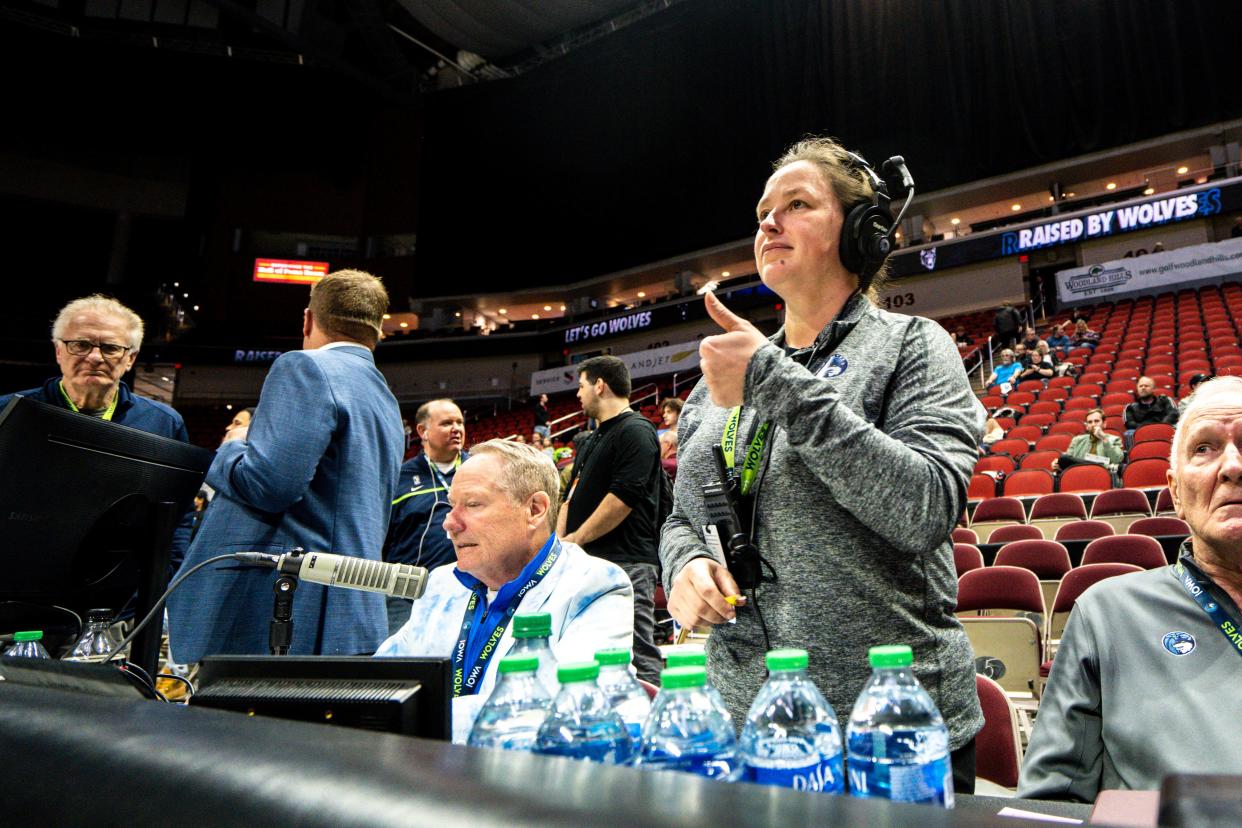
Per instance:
(108,412)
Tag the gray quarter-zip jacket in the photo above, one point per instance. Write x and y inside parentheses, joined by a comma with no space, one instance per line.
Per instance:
(871,452)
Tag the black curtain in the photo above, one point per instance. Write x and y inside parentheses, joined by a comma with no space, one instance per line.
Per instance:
(656,140)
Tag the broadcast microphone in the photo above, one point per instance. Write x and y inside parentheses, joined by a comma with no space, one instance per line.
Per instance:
(399,580)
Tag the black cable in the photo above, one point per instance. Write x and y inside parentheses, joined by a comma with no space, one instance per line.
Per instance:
(160,604)
(143,677)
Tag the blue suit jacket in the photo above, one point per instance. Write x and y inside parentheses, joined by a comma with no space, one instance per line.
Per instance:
(318,470)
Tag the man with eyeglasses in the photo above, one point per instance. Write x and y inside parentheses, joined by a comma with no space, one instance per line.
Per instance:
(97,340)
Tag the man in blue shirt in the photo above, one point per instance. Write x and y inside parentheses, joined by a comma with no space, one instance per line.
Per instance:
(416,527)
(96,339)
(504,501)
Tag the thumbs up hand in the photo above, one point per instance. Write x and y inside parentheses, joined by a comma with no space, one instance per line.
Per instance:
(724,357)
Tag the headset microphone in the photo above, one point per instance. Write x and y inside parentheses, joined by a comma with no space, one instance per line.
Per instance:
(869,227)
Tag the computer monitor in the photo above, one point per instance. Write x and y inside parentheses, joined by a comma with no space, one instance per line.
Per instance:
(411,696)
(87,510)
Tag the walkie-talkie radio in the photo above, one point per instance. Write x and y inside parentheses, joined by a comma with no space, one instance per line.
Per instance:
(724,530)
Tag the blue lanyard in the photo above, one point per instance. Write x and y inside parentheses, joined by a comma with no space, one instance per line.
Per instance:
(476,649)
(1228,626)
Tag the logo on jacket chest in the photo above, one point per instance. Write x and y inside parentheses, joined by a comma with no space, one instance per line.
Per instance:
(415,482)
(1179,643)
(836,366)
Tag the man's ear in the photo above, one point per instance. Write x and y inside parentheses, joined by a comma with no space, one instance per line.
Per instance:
(1173,493)
(308,322)
(538,507)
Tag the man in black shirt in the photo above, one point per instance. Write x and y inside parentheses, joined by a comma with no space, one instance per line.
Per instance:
(1148,408)
(614,494)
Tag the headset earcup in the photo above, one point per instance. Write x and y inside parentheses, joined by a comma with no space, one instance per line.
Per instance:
(850,248)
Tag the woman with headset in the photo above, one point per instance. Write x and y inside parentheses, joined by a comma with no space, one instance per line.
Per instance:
(848,439)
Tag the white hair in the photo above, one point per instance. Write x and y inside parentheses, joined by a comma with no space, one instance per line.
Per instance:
(1202,398)
(104,305)
(526,470)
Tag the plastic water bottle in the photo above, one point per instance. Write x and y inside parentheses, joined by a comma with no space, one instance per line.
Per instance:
(95,643)
(694,658)
(688,729)
(28,644)
(898,744)
(581,723)
(531,634)
(628,698)
(791,738)
(512,715)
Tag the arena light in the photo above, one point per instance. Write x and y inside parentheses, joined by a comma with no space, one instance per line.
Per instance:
(724,274)
(642,294)
(503,311)
(405,324)
(1112,185)
(1149,191)
(388,316)
(534,316)
(1015,207)
(1183,170)
(547,307)
(955,221)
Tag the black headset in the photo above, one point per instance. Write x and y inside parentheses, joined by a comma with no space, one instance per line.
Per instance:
(867,232)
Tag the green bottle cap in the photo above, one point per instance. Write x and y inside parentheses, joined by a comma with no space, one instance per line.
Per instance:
(676,678)
(28,635)
(688,658)
(780,661)
(519,664)
(577,671)
(532,625)
(890,655)
(614,656)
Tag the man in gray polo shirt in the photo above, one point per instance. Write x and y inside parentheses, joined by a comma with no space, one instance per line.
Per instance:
(1146,681)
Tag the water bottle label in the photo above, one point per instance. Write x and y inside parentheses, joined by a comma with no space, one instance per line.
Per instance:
(824,776)
(636,731)
(931,782)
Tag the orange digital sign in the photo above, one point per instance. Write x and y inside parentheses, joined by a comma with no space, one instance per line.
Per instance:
(289,271)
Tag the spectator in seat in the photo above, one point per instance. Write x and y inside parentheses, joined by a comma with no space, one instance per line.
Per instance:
(1004,373)
(1057,340)
(1029,338)
(541,417)
(1148,407)
(1145,682)
(992,431)
(1093,447)
(1195,382)
(963,341)
(1084,337)
(1039,365)
(670,413)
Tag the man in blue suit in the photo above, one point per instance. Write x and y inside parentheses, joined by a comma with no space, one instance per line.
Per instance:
(316,468)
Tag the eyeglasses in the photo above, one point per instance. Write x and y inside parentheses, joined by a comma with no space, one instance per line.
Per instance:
(107,350)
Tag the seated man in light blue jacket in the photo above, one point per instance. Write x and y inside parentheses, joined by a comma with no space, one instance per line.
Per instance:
(504,502)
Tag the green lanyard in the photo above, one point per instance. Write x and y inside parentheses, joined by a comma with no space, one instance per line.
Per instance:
(754,453)
(107,415)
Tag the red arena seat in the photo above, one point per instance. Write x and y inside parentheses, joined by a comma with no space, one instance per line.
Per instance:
(1139,550)
(1040,460)
(1054,442)
(1000,508)
(1014,448)
(1151,448)
(982,487)
(1085,478)
(1015,532)
(1084,530)
(1157,527)
(1025,482)
(1153,431)
(963,535)
(1120,502)
(997,745)
(999,463)
(966,556)
(1047,559)
(1143,474)
(1059,505)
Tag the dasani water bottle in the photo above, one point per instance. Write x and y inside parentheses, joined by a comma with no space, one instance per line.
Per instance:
(898,744)
(689,729)
(513,714)
(791,738)
(625,694)
(581,723)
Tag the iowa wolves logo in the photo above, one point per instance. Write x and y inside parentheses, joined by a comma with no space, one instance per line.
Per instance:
(1179,643)
(836,366)
(928,258)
